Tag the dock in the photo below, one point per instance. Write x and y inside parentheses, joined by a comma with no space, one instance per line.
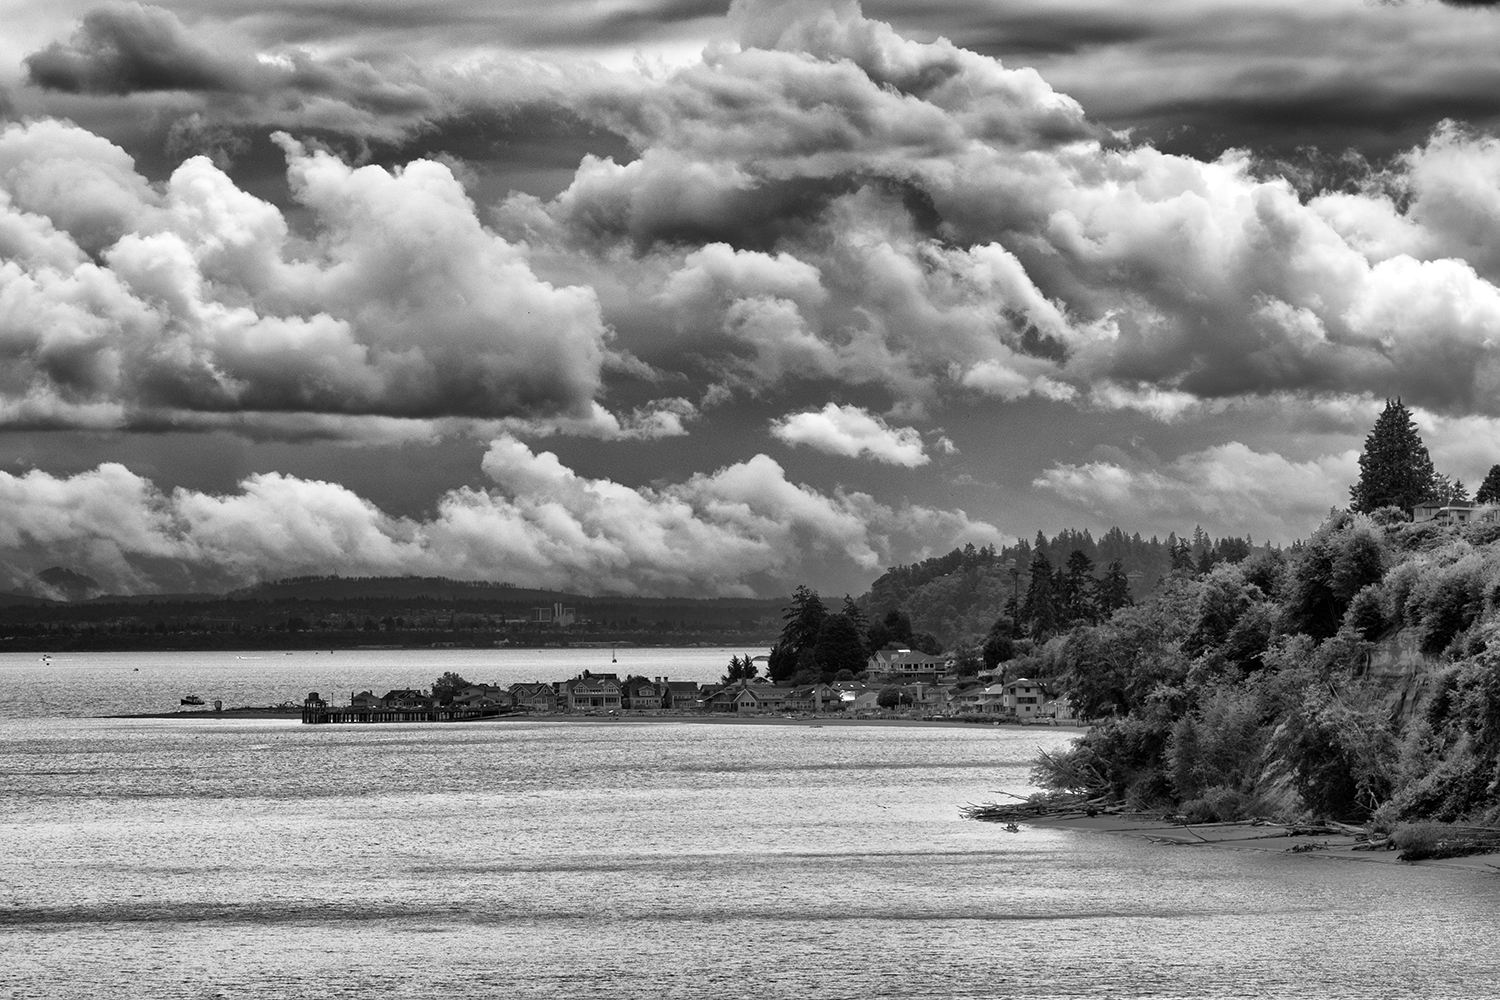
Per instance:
(317,712)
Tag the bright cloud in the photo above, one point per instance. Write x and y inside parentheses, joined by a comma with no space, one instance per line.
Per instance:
(541,525)
(1263,494)
(854,432)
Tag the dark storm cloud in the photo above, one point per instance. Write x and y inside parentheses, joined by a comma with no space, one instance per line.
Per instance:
(464,23)
(1198,78)
(126,47)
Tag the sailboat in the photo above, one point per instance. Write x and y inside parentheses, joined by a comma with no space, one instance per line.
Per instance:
(612,655)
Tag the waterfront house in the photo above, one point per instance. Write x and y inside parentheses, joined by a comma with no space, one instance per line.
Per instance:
(590,692)
(746,698)
(1026,698)
(681,695)
(406,699)
(366,701)
(981,699)
(482,696)
(904,666)
(535,697)
(814,698)
(640,695)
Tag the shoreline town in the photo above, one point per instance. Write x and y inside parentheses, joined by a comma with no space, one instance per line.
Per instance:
(897,683)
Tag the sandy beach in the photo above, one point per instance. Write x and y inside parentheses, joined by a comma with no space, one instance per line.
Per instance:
(1249,836)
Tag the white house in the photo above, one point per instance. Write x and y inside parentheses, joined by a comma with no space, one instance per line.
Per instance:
(1027,699)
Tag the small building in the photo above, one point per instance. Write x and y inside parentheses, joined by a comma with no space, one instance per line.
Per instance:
(1454,513)
(558,614)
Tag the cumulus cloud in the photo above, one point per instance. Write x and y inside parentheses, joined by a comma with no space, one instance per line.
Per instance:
(1260,493)
(945,228)
(127,305)
(854,432)
(540,525)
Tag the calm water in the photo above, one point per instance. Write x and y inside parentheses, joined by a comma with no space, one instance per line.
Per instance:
(179,858)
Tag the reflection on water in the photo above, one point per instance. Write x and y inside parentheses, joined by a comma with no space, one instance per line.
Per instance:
(224,858)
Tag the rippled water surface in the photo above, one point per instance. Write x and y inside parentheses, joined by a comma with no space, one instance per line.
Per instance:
(201,858)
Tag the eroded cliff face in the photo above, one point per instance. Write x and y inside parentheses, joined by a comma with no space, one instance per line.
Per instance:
(1399,676)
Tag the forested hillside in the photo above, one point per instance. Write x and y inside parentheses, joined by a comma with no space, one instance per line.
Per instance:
(1355,676)
(1041,587)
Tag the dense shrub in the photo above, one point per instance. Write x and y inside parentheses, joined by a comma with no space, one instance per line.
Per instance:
(1339,759)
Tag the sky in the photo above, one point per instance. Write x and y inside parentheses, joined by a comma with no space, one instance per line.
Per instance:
(697,298)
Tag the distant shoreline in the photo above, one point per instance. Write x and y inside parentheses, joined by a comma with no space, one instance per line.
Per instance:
(272,712)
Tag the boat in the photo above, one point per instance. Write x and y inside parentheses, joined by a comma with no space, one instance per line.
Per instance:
(192,699)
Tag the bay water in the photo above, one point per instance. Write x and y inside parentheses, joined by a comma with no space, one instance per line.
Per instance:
(202,857)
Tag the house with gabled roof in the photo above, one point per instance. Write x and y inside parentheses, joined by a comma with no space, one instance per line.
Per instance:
(482,696)
(681,695)
(747,698)
(900,665)
(590,692)
(406,698)
(814,698)
(535,697)
(1028,699)
(640,695)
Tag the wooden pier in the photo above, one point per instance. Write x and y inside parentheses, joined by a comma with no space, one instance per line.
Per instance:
(316,711)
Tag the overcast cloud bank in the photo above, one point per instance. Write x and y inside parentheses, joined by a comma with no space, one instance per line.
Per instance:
(915,254)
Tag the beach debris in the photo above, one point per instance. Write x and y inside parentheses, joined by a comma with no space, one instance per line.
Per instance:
(1308,846)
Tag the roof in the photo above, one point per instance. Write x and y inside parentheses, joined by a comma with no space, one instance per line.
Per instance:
(906,656)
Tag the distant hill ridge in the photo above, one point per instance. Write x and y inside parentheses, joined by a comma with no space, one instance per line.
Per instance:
(366,587)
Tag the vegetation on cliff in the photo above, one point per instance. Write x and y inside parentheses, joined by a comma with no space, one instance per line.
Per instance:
(1355,676)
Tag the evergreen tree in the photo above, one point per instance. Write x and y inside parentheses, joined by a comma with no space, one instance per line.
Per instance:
(1489,490)
(852,612)
(1394,469)
(1113,591)
(839,646)
(1077,599)
(999,645)
(1039,610)
(740,669)
(802,620)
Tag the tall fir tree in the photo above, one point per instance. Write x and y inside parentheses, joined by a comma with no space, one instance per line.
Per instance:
(1395,469)
(1039,609)
(1077,599)
(1112,592)
(1489,490)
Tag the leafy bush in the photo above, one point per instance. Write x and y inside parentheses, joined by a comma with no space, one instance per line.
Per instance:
(1422,841)
(1339,758)
(1217,805)
(1219,744)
